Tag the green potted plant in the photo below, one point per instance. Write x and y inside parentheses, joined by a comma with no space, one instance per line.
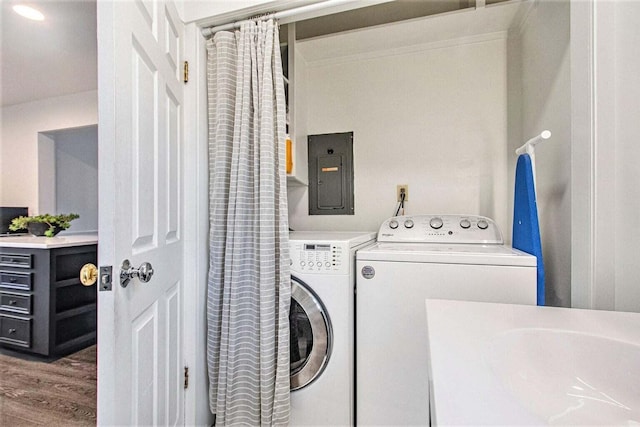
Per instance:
(43,225)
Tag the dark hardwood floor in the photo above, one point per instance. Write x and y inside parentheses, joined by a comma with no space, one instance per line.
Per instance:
(58,393)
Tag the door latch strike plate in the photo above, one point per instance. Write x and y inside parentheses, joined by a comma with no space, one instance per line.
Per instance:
(106,277)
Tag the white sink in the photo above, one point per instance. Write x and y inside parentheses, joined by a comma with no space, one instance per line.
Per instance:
(566,377)
(507,364)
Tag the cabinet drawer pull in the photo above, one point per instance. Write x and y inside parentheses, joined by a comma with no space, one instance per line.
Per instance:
(12,330)
(13,280)
(14,260)
(12,302)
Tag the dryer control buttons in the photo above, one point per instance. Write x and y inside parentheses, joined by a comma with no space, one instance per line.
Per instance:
(436,223)
(317,257)
(440,228)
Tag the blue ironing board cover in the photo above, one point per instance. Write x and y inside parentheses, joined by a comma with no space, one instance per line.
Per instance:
(526,230)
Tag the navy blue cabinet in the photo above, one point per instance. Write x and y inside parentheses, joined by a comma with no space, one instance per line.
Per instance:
(44,309)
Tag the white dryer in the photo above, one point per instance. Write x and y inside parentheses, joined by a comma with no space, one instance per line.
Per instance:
(417,257)
(322,326)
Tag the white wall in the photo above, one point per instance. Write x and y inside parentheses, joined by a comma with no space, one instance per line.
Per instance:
(605,194)
(432,118)
(545,103)
(76,176)
(19,144)
(627,155)
(46,173)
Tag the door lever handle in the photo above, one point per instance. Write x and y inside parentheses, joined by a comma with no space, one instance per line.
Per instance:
(127,272)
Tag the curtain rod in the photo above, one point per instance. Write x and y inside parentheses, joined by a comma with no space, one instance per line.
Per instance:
(299,13)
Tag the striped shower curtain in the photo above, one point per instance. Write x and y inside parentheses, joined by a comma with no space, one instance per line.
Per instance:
(249,284)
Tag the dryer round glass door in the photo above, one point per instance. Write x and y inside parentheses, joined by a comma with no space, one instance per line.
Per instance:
(310,335)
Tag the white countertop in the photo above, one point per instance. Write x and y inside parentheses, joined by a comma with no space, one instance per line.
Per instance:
(59,241)
(507,364)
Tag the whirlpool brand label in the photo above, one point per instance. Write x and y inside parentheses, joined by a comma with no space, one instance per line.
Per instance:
(368,272)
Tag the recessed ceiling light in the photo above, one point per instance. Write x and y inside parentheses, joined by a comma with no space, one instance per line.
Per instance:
(28,12)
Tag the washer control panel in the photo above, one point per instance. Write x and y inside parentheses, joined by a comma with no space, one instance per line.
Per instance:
(469,229)
(319,257)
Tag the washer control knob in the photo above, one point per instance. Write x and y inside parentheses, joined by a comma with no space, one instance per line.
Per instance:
(465,223)
(483,225)
(393,224)
(302,263)
(436,223)
(310,263)
(408,223)
(327,264)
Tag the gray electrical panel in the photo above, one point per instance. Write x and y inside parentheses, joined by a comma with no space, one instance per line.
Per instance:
(331,174)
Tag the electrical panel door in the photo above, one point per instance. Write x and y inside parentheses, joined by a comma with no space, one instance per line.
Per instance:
(331,174)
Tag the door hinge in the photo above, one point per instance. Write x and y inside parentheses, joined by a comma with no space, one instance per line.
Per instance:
(186,71)
(186,377)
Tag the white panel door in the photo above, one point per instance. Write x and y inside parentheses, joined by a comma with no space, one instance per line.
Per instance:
(140,366)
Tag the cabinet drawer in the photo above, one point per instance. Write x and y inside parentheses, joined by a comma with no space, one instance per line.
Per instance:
(15,330)
(16,260)
(15,302)
(13,280)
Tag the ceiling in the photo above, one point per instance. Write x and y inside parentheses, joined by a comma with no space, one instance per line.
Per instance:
(384,13)
(58,56)
(54,57)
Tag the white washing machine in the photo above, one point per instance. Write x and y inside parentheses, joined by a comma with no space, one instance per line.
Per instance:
(417,257)
(322,326)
